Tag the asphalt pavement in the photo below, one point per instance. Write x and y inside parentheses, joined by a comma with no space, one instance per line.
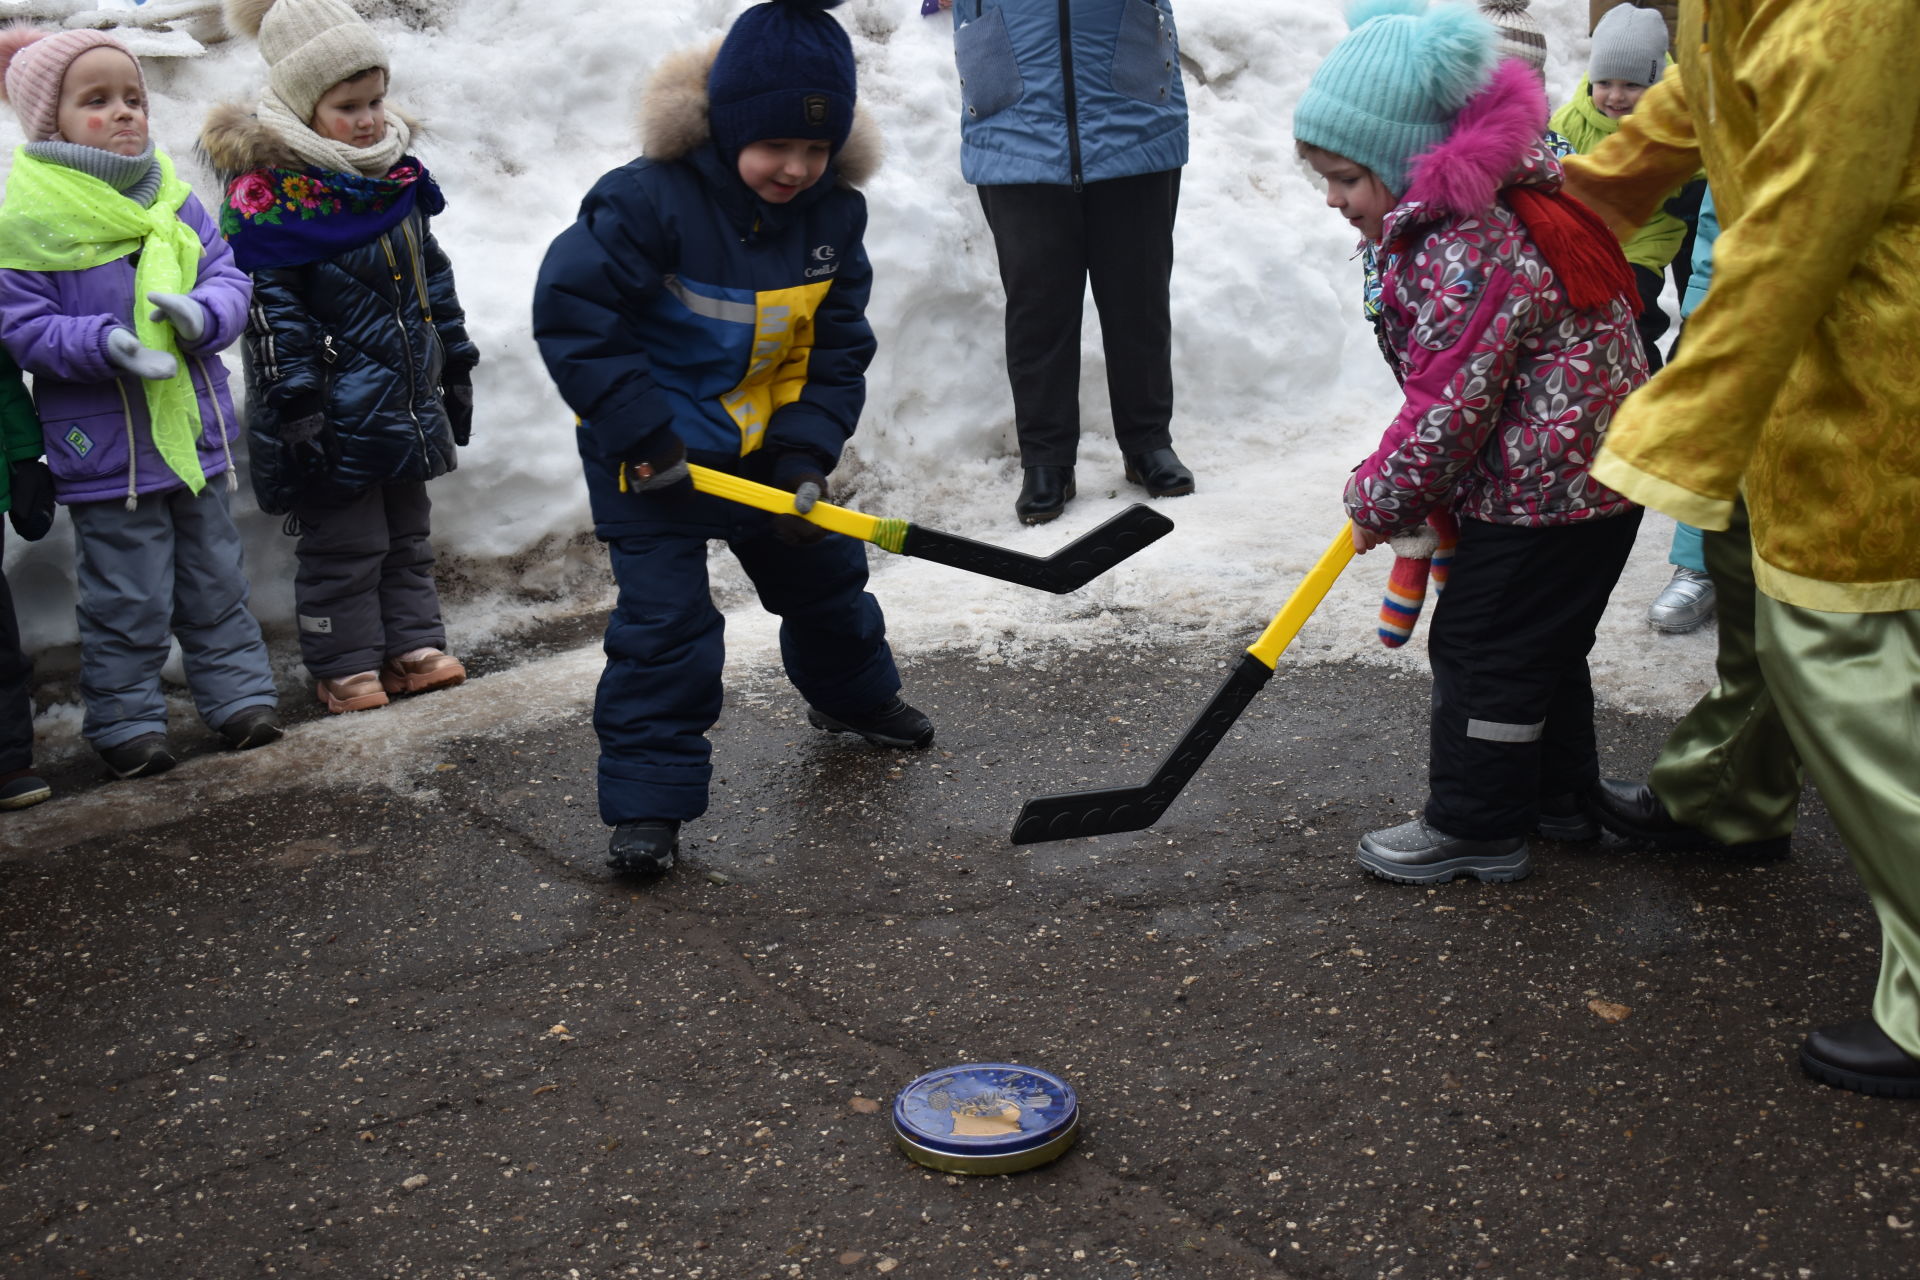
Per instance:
(262,1022)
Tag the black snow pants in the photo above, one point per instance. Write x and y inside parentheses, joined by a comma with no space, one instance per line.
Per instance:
(1512,700)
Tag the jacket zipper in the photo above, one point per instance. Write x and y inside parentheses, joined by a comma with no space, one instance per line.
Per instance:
(406,344)
(1073,106)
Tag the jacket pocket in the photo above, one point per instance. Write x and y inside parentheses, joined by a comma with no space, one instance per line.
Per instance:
(1146,55)
(989,74)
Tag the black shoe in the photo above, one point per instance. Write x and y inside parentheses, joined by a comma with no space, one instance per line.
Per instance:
(1565,817)
(644,848)
(1631,809)
(1044,494)
(251,727)
(1415,853)
(22,788)
(894,725)
(1161,471)
(1861,1057)
(140,757)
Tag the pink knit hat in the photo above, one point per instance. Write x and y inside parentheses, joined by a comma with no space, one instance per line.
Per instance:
(32,65)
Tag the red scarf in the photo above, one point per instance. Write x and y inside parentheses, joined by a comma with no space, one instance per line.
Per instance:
(1578,245)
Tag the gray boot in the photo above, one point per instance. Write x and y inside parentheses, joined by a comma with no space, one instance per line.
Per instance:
(1685,604)
(1415,853)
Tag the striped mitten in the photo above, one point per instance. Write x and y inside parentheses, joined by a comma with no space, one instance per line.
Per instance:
(1419,556)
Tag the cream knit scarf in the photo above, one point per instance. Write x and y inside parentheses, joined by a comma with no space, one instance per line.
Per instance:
(325,153)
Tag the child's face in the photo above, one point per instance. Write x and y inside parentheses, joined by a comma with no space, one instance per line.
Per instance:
(353,111)
(778,169)
(1361,198)
(1617,98)
(101,104)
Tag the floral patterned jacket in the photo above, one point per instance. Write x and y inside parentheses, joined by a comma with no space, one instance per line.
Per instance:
(1508,389)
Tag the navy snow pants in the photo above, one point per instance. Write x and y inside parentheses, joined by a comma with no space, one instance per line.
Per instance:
(661,691)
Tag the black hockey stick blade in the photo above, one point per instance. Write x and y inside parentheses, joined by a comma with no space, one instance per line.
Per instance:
(1068,569)
(1115,809)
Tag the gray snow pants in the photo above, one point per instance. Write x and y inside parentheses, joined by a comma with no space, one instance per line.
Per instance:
(172,564)
(364,588)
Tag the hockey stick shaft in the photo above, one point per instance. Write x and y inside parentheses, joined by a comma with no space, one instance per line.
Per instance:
(1068,569)
(1109,810)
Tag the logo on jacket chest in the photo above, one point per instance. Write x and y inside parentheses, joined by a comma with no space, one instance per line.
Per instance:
(825,262)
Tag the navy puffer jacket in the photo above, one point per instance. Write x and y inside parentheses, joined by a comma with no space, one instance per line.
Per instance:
(371,339)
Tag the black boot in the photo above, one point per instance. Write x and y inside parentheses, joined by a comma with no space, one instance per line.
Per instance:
(1565,817)
(1861,1057)
(1631,809)
(644,848)
(1044,494)
(1161,471)
(140,757)
(893,725)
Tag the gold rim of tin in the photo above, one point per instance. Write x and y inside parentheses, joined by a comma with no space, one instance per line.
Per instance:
(1016,1162)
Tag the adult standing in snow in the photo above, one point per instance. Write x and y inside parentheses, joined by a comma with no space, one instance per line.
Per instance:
(1791,410)
(1074,128)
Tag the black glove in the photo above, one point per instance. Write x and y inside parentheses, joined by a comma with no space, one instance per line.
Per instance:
(32,501)
(457,395)
(658,466)
(800,473)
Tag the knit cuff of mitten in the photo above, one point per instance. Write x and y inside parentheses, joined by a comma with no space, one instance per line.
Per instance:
(1415,544)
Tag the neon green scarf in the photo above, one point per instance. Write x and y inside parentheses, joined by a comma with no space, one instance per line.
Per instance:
(59,219)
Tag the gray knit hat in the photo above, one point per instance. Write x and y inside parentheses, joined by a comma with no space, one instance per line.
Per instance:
(1629,44)
(310,45)
(1520,35)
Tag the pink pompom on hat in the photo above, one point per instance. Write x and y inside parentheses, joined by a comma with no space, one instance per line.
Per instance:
(33,63)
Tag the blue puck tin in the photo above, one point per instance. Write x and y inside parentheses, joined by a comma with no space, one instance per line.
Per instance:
(986,1117)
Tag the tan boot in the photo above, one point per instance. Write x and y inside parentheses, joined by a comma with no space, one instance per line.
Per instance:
(421,670)
(358,692)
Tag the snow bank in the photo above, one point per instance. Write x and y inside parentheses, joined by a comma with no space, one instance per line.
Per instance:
(1279,389)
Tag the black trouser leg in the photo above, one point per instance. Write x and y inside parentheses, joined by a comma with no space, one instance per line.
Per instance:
(1130,259)
(1039,233)
(16,670)
(1652,321)
(1512,704)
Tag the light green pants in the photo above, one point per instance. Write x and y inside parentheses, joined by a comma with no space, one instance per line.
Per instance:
(1729,767)
(1848,687)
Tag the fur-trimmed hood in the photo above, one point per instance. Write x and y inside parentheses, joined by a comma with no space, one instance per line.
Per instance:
(673,117)
(1496,140)
(235,141)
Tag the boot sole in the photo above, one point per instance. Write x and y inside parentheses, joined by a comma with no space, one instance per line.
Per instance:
(820,720)
(1515,866)
(27,799)
(396,686)
(1569,830)
(647,867)
(157,763)
(1841,1078)
(340,706)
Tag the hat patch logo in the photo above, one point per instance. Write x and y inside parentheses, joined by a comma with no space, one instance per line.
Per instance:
(815,107)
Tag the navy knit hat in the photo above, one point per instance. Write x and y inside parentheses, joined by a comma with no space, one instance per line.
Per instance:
(785,70)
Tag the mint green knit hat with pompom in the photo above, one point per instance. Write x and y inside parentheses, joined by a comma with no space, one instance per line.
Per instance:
(1391,89)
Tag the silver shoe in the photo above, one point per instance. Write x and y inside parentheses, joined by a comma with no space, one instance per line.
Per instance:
(1415,853)
(1684,605)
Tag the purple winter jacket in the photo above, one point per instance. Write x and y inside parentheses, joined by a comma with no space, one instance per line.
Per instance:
(94,418)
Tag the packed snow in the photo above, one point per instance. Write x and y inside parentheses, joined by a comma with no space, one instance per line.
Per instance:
(1279,387)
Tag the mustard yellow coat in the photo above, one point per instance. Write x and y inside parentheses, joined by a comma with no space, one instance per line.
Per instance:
(1799,378)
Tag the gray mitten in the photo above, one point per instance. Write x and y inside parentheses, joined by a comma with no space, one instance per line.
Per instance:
(189,317)
(125,352)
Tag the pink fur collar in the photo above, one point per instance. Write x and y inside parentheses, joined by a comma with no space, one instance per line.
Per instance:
(1491,136)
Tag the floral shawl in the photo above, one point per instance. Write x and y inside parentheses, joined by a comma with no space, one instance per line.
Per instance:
(292,217)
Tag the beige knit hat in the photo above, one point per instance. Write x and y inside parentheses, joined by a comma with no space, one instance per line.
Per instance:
(310,45)
(1520,34)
